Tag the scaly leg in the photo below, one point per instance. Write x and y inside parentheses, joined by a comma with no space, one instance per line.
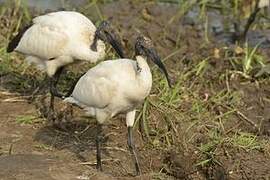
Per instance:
(130,118)
(54,81)
(53,90)
(133,152)
(40,87)
(98,144)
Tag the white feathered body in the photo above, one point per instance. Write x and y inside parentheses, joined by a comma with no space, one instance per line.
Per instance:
(59,38)
(112,87)
(264,3)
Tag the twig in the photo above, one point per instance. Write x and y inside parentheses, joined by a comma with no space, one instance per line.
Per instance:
(104,160)
(227,82)
(247,119)
(115,148)
(242,116)
(8,93)
(10,149)
(62,132)
(14,99)
(234,127)
(251,19)
(83,131)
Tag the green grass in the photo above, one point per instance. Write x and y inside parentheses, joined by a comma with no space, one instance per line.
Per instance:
(248,62)
(44,147)
(246,141)
(203,100)
(27,119)
(208,150)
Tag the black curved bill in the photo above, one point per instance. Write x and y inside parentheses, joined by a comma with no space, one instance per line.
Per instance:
(116,44)
(156,59)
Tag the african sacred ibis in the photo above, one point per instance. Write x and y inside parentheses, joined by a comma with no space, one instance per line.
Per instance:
(57,39)
(117,86)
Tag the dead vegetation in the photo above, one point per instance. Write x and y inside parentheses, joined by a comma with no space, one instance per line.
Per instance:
(214,122)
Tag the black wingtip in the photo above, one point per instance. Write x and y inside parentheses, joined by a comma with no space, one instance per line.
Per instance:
(11,46)
(15,40)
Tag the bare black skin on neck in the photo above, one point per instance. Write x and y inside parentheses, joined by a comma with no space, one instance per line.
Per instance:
(144,47)
(106,33)
(94,44)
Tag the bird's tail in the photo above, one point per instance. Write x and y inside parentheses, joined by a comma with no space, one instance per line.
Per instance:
(89,111)
(40,64)
(70,100)
(16,39)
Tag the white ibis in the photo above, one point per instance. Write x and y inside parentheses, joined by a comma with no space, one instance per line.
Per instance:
(117,86)
(57,39)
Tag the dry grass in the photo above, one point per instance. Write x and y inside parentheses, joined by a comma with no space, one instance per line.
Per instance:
(201,114)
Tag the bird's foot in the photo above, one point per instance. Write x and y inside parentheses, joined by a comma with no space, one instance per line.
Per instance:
(53,119)
(56,93)
(62,117)
(33,95)
(40,89)
(36,93)
(99,167)
(138,170)
(51,115)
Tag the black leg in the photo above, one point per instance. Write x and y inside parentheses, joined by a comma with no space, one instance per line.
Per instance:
(53,91)
(132,151)
(54,81)
(40,87)
(98,143)
(50,111)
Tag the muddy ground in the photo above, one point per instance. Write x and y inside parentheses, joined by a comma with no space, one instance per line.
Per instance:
(31,148)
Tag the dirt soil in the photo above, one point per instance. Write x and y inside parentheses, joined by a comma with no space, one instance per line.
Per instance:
(41,151)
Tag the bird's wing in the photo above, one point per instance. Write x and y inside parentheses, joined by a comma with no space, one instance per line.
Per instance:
(76,25)
(54,34)
(96,92)
(101,83)
(71,19)
(43,41)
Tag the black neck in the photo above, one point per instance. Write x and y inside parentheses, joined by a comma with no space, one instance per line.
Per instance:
(93,46)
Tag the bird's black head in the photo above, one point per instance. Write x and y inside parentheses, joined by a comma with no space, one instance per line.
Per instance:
(106,33)
(144,47)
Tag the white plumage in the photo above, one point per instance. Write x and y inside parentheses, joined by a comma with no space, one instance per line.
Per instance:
(264,3)
(113,87)
(57,39)
(63,36)
(117,86)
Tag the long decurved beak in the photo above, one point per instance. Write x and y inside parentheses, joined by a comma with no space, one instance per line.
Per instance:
(116,44)
(153,55)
